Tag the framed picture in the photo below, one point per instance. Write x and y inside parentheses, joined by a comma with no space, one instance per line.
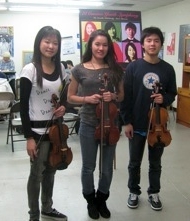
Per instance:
(67,45)
(183,31)
(26,57)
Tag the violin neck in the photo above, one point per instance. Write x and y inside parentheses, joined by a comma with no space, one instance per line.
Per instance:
(157,108)
(106,111)
(61,133)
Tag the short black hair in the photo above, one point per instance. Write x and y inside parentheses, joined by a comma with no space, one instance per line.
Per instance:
(131,25)
(150,31)
(64,64)
(69,62)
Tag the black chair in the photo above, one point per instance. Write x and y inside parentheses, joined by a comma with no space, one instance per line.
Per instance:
(72,121)
(15,125)
(72,118)
(17,89)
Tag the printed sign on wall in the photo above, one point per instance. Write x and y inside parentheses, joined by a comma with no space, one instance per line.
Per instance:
(124,28)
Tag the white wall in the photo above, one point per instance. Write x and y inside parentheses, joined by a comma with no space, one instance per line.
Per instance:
(26,26)
(169,19)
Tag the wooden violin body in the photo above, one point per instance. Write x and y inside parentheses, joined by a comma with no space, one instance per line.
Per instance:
(60,155)
(108,130)
(107,113)
(158,135)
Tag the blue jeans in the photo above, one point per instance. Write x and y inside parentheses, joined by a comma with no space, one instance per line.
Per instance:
(89,148)
(40,175)
(136,150)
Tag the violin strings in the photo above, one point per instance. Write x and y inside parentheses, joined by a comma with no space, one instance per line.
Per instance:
(42,136)
(49,121)
(150,119)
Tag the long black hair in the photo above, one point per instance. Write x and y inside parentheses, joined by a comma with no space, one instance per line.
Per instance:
(110,25)
(42,33)
(110,58)
(130,44)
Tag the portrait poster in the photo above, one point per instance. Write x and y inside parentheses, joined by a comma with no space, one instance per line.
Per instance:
(115,23)
(6,40)
(170,44)
(184,30)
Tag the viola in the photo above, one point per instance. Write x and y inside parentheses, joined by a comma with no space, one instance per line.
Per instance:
(107,113)
(60,155)
(158,135)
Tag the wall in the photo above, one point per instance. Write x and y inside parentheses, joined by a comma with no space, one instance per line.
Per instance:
(169,18)
(26,25)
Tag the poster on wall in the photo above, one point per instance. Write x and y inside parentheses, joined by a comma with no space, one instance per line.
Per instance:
(124,28)
(161,52)
(171,44)
(184,30)
(6,40)
(67,45)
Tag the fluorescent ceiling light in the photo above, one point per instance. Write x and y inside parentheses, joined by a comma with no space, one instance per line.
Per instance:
(59,2)
(33,1)
(3,8)
(43,9)
(82,3)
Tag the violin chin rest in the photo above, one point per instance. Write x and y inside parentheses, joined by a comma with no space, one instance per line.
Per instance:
(62,166)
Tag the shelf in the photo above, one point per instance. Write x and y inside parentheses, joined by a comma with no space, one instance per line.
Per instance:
(183,98)
(183,107)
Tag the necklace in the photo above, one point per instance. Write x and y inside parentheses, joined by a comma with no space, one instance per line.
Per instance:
(100,74)
(99,66)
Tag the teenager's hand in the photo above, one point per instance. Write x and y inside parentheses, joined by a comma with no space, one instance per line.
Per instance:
(31,148)
(93,99)
(129,131)
(59,112)
(158,98)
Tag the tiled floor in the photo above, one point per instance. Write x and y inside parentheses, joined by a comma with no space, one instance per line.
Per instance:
(175,192)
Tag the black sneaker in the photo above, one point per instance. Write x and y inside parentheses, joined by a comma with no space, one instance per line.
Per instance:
(54,215)
(155,201)
(34,220)
(133,201)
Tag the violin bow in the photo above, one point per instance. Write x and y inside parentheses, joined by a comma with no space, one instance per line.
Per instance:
(155,88)
(105,83)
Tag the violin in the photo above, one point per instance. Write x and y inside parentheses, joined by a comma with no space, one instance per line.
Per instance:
(107,113)
(60,155)
(158,135)
(106,132)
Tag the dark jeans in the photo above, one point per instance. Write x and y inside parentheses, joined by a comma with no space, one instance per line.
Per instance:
(89,149)
(41,177)
(136,150)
